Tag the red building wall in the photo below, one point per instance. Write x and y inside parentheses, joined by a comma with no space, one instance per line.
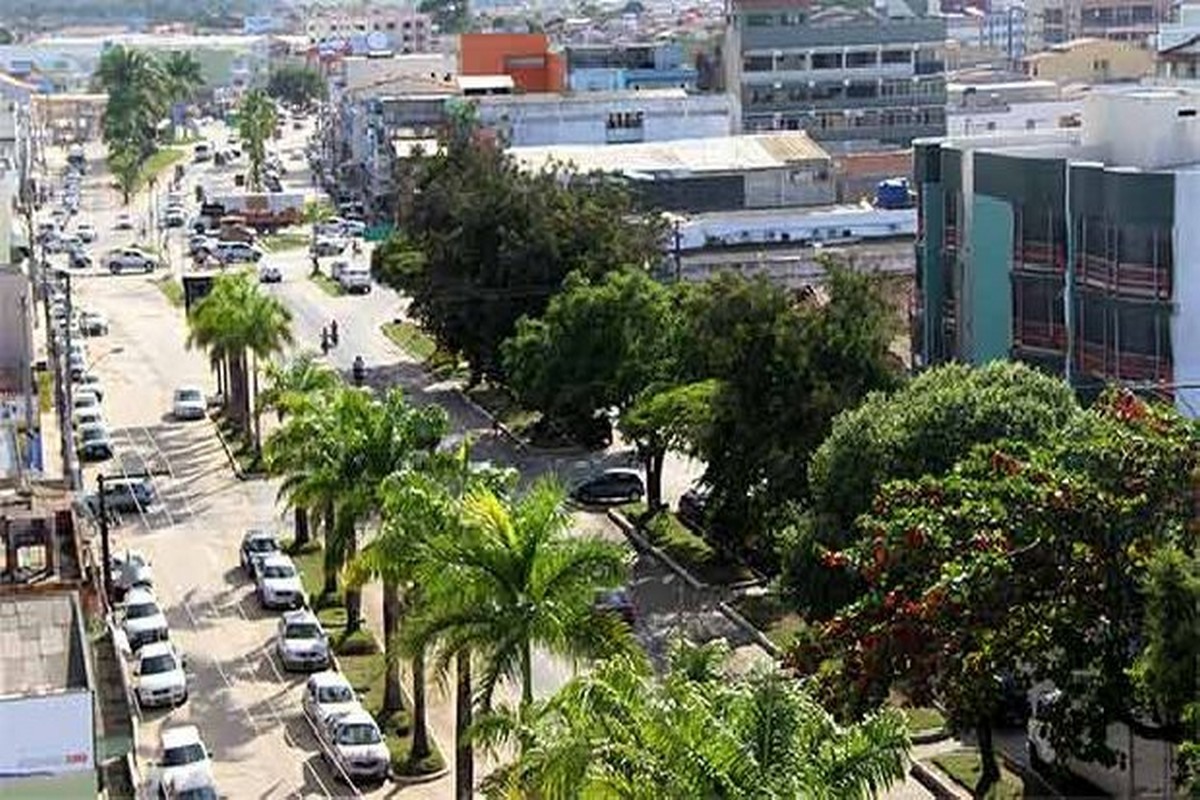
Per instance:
(526,57)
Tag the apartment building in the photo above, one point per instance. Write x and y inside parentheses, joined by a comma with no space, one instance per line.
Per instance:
(840,74)
(1072,249)
(1091,60)
(1178,46)
(397,28)
(1133,21)
(619,66)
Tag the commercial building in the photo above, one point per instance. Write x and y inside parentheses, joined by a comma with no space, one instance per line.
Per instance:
(525,57)
(1178,46)
(1134,21)
(839,73)
(1091,61)
(620,66)
(1032,105)
(727,173)
(651,115)
(1073,249)
(398,29)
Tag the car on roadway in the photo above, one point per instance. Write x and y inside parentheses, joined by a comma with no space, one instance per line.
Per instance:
(183,759)
(131,570)
(327,696)
(159,679)
(128,495)
(124,222)
(270,273)
(231,252)
(188,403)
(616,485)
(337,268)
(129,259)
(174,218)
(256,545)
(301,642)
(142,619)
(202,152)
(201,243)
(86,232)
(278,583)
(329,246)
(90,382)
(353,745)
(78,258)
(355,279)
(84,399)
(93,323)
(77,363)
(192,786)
(87,416)
(68,242)
(94,443)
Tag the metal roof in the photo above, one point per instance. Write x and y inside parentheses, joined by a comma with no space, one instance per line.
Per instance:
(680,157)
(41,644)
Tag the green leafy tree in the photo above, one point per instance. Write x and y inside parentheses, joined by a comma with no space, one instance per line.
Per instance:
(617,731)
(137,97)
(499,241)
(291,384)
(257,119)
(297,85)
(125,163)
(1029,562)
(670,418)
(182,77)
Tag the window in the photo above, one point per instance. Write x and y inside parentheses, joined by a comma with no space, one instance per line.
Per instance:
(827,61)
(758,63)
(391,26)
(792,61)
(897,57)
(791,20)
(860,59)
(862,91)
(760,20)
(624,120)
(525,62)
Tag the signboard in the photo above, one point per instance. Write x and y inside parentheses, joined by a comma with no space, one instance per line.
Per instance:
(195,289)
(45,735)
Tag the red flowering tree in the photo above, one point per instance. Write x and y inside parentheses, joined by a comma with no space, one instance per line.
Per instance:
(1027,563)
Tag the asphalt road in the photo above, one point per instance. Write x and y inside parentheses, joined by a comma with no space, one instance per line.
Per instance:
(246,709)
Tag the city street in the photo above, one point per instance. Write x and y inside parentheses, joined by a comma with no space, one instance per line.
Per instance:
(246,709)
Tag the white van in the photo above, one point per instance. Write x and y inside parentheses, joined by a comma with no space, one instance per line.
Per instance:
(355,278)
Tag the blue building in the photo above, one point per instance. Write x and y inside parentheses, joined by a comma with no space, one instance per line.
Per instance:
(617,67)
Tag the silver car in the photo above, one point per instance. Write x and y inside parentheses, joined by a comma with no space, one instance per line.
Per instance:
(301,642)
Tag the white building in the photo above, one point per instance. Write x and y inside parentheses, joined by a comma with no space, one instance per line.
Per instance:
(397,29)
(974,108)
(605,117)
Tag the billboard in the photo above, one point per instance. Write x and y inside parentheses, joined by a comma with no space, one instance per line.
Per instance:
(45,736)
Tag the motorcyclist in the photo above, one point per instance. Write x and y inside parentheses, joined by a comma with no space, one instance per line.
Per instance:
(333,332)
(360,370)
(325,340)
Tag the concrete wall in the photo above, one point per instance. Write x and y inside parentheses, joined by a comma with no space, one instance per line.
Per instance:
(790,186)
(1185,323)
(990,295)
(1098,61)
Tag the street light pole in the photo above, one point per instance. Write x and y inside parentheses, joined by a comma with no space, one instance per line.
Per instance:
(105,551)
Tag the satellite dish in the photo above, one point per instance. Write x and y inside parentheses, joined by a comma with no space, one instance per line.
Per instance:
(376,41)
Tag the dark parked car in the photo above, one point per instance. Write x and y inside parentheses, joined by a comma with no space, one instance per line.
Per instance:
(128,494)
(693,508)
(78,259)
(611,486)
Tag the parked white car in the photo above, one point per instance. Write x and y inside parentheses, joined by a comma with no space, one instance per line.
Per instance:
(354,745)
(327,696)
(129,259)
(84,400)
(183,759)
(301,642)
(278,583)
(159,679)
(189,403)
(90,382)
(144,622)
(238,252)
(131,569)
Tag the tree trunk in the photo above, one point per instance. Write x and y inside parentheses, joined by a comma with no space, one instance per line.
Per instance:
(527,674)
(353,596)
(301,536)
(653,461)
(990,770)
(464,753)
(257,410)
(393,696)
(331,560)
(420,715)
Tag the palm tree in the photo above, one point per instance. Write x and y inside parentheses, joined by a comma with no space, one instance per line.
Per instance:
(183,77)
(513,578)
(234,323)
(291,385)
(135,84)
(257,119)
(619,732)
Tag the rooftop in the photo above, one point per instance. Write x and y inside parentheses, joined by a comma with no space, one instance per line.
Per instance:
(681,156)
(41,644)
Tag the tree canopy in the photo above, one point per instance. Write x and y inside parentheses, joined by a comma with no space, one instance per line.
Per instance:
(297,85)
(499,241)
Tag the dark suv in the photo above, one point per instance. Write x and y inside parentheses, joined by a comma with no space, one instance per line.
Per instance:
(611,486)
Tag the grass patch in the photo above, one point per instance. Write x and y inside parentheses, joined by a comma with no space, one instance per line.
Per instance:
(411,339)
(689,550)
(45,390)
(289,240)
(328,285)
(770,614)
(500,403)
(924,719)
(447,366)
(171,289)
(964,767)
(363,664)
(161,160)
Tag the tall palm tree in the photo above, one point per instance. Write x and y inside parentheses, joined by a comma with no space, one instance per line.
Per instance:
(182,76)
(619,732)
(237,322)
(292,384)
(257,119)
(135,86)
(514,579)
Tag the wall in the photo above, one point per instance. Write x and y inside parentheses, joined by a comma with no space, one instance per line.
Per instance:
(1095,62)
(524,56)
(1185,322)
(790,186)
(990,297)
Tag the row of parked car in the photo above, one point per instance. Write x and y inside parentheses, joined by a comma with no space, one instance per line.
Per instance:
(350,739)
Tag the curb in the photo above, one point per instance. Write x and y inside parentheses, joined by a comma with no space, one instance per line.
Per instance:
(640,542)
(930,737)
(417,780)
(497,425)
(933,782)
(240,474)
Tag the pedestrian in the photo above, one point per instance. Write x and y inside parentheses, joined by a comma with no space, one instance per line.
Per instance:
(333,332)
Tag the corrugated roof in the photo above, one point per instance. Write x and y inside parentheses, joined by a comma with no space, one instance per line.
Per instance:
(681,156)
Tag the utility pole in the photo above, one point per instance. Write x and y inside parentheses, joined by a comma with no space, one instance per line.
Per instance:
(67,422)
(105,551)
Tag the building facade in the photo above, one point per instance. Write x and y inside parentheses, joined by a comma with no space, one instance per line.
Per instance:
(840,76)
(1075,250)
(1178,46)
(398,29)
(605,117)
(616,67)
(525,57)
(1091,61)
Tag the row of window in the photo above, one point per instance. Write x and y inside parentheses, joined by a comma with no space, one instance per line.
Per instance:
(758,96)
(1119,15)
(361,27)
(852,59)
(934,116)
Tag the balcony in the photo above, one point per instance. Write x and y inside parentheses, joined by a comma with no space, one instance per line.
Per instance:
(1039,256)
(1125,278)
(1040,335)
(1103,362)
